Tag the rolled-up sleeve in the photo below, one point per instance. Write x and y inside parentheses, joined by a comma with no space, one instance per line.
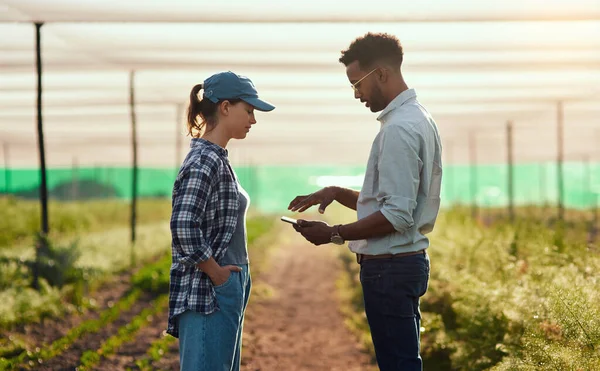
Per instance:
(189,207)
(399,167)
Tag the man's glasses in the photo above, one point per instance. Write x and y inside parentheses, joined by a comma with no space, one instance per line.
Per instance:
(355,85)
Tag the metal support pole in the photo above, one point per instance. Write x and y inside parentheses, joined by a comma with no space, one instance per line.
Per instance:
(135,163)
(511,193)
(560,160)
(42,152)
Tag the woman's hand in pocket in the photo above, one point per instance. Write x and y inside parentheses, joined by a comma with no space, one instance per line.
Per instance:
(217,274)
(220,276)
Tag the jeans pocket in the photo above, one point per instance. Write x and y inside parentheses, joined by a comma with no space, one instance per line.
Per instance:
(369,277)
(370,272)
(224,284)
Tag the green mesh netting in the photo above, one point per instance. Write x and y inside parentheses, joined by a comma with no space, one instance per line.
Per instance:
(272,187)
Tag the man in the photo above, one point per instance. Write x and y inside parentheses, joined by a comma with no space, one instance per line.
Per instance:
(397,205)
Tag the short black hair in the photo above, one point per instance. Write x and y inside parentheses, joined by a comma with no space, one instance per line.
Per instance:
(374,47)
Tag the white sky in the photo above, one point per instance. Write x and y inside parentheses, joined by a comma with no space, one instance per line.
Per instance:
(474,65)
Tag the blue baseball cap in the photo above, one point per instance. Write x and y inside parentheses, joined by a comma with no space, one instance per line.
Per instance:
(228,85)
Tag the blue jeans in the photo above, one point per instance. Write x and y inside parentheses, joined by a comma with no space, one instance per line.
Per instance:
(391,290)
(213,342)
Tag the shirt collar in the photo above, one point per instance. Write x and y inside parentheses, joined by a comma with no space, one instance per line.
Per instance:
(203,142)
(397,102)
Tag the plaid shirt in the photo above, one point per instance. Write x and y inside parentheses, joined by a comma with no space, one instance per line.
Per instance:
(203,220)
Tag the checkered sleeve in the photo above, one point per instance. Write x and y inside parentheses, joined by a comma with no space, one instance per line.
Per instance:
(196,184)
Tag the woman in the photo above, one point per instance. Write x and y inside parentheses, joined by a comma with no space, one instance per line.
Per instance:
(210,278)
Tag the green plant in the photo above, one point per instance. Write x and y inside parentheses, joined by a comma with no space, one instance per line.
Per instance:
(57,264)
(510,296)
(156,351)
(126,333)
(11,347)
(87,327)
(154,277)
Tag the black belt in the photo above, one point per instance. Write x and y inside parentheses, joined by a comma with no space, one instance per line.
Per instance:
(362,257)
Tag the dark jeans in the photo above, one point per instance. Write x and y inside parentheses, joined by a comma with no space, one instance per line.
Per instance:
(391,289)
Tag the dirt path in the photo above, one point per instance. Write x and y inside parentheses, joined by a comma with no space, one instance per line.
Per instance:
(300,327)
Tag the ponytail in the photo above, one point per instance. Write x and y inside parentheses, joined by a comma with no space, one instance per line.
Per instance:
(194,110)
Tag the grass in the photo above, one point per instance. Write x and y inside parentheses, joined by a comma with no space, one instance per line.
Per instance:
(20,219)
(519,296)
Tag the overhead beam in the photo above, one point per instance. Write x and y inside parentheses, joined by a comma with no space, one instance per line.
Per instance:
(313,18)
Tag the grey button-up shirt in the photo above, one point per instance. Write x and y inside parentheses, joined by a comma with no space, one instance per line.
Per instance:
(403,178)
